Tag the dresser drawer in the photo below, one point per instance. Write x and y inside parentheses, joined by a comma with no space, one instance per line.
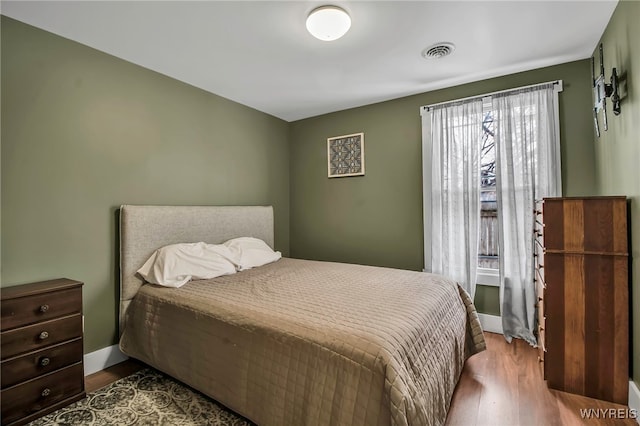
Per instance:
(542,345)
(541,313)
(36,336)
(37,363)
(38,394)
(40,307)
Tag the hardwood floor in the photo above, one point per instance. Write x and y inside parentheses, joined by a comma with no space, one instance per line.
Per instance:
(502,386)
(109,375)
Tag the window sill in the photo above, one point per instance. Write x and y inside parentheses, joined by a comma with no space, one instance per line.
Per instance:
(488,277)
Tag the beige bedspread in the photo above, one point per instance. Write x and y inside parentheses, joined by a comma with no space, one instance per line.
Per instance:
(312,343)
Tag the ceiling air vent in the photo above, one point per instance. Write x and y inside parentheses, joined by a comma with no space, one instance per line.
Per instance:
(438,50)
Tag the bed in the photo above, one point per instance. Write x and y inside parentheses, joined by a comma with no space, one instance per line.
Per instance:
(295,342)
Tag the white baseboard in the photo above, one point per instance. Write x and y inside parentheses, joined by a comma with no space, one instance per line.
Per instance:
(102,358)
(634,399)
(491,323)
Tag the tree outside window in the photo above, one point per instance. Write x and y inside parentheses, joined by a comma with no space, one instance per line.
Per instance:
(488,243)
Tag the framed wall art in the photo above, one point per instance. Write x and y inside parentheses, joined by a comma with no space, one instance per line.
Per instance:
(345,155)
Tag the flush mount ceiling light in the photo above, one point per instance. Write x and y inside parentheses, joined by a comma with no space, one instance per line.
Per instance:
(328,23)
(438,50)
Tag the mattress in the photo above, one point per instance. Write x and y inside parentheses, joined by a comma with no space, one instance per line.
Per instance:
(300,342)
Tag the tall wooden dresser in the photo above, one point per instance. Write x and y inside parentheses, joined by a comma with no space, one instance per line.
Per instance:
(583,296)
(41,342)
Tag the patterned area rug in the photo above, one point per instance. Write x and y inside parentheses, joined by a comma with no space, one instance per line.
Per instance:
(144,398)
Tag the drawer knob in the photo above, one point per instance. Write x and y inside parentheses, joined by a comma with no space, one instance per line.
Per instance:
(43,335)
(45,361)
(44,308)
(46,392)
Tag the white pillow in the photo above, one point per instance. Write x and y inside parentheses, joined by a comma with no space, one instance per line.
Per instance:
(250,252)
(176,264)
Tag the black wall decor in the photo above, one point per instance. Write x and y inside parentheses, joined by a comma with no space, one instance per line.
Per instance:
(602,91)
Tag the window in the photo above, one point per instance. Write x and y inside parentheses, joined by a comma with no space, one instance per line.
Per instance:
(443,123)
(488,247)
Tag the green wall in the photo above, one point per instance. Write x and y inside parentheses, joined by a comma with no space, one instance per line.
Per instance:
(84,132)
(487,299)
(618,149)
(377,218)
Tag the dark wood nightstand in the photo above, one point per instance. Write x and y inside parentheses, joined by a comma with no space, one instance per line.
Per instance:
(41,349)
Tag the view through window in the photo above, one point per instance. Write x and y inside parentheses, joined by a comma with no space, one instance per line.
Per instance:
(488,243)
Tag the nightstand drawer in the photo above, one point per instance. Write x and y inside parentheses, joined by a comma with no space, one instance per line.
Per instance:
(40,307)
(36,363)
(41,349)
(36,336)
(35,395)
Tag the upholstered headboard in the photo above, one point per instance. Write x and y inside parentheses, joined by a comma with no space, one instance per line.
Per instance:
(144,229)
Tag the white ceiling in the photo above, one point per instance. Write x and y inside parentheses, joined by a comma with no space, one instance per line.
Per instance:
(259,53)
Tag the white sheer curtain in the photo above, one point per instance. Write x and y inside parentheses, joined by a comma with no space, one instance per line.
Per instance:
(528,168)
(455,131)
